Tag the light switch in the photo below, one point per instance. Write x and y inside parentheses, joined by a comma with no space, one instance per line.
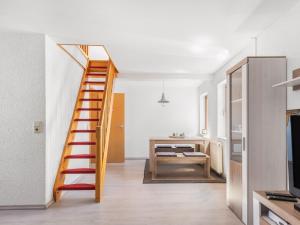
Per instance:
(37,127)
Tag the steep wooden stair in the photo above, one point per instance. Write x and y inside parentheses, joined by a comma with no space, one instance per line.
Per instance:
(95,98)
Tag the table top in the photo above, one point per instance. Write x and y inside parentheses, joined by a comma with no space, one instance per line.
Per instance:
(181,156)
(196,138)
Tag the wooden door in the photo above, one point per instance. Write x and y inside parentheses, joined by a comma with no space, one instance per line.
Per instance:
(117,136)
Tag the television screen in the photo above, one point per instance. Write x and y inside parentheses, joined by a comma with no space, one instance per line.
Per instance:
(293,141)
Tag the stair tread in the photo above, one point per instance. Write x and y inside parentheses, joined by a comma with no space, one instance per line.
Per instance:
(84,90)
(86,120)
(96,72)
(88,109)
(91,99)
(82,143)
(97,68)
(94,82)
(79,171)
(81,156)
(91,66)
(103,75)
(76,187)
(83,131)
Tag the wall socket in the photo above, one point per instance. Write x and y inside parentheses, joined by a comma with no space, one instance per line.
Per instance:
(37,127)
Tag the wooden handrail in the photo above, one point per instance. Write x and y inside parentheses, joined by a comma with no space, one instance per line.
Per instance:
(103,131)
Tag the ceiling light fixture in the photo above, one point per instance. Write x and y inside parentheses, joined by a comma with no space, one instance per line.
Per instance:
(163,101)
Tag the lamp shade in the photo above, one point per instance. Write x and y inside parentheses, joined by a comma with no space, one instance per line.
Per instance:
(163,99)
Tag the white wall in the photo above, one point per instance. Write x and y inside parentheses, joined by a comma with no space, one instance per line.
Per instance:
(22,91)
(97,53)
(63,76)
(282,38)
(145,118)
(75,51)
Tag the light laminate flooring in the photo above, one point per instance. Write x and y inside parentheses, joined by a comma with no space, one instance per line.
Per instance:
(126,201)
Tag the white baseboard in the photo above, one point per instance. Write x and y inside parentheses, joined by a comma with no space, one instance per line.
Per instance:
(51,202)
(135,158)
(34,207)
(27,207)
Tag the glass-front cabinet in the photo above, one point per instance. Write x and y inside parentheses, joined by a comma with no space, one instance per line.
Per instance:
(236,115)
(255,131)
(237,129)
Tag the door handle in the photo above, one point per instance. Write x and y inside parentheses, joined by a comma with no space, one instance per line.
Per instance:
(121,126)
(244,143)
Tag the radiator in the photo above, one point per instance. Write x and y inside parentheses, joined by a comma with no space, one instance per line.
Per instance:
(216,156)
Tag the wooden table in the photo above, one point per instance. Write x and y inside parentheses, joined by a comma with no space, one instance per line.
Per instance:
(168,140)
(181,159)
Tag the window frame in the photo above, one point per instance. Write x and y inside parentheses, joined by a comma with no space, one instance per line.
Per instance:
(204,107)
(221,109)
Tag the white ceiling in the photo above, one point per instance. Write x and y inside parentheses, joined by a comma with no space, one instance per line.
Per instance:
(151,38)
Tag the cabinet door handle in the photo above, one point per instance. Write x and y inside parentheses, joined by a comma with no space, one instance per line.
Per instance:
(244,143)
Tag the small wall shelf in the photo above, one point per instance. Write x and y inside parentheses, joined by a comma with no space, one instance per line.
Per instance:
(289,83)
(294,82)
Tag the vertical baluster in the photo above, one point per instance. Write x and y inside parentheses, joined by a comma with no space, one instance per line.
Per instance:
(98,163)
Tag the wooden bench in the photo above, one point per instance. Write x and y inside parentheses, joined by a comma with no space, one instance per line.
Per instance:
(181,159)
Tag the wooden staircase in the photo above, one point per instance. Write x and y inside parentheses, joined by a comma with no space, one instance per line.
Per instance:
(94,97)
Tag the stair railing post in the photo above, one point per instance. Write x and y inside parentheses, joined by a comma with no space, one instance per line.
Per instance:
(98,163)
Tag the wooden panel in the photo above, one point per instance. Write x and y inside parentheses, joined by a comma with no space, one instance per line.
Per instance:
(266,127)
(245,61)
(99,63)
(116,153)
(103,132)
(237,66)
(235,191)
(204,147)
(182,160)
(186,140)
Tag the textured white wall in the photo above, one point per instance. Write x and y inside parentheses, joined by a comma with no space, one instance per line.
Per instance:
(38,82)
(22,91)
(145,118)
(63,76)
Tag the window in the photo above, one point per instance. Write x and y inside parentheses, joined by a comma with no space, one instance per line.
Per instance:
(203,113)
(221,108)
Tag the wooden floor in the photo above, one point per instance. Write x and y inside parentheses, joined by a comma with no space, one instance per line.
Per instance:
(129,202)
